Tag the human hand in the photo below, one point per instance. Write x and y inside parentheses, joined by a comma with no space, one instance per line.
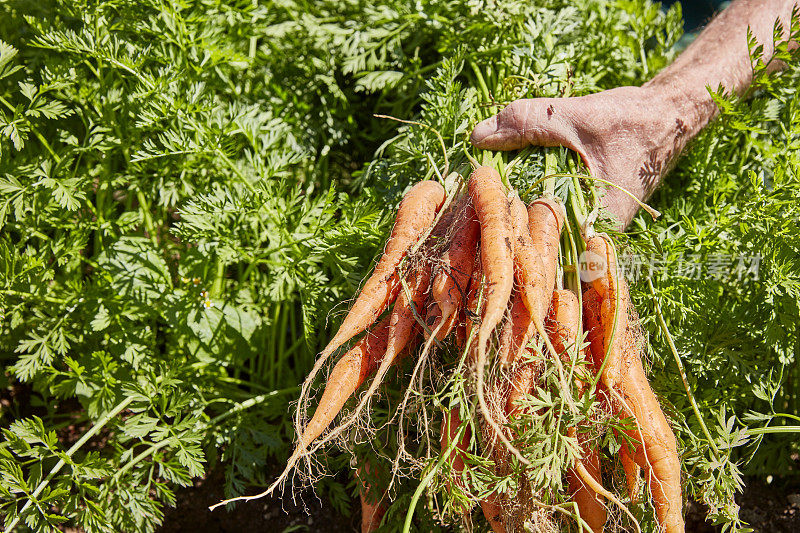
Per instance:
(628,136)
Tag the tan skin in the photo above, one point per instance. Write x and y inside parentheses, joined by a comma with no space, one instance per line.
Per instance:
(632,135)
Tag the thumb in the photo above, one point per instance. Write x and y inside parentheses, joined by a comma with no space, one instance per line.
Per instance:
(524,122)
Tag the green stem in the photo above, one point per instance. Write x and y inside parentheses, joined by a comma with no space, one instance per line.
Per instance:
(219,278)
(651,211)
(481,82)
(550,165)
(429,477)
(136,460)
(75,447)
(242,382)
(787,415)
(779,429)
(235,170)
(98,237)
(19,294)
(144,204)
(681,370)
(273,363)
(282,333)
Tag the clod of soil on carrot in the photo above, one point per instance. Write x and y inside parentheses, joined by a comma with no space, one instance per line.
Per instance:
(514,378)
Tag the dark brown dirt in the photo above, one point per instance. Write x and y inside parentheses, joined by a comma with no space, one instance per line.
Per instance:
(272,515)
(768,508)
(774,507)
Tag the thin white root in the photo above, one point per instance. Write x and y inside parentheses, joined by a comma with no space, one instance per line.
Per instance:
(278,482)
(400,414)
(593,484)
(487,415)
(302,402)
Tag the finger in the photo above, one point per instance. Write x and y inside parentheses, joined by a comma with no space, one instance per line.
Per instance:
(504,131)
(538,121)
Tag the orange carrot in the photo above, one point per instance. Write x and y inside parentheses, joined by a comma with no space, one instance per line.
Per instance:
(504,345)
(472,312)
(536,252)
(497,246)
(563,325)
(347,376)
(493,512)
(631,470)
(403,328)
(497,258)
(521,383)
(591,509)
(491,504)
(655,448)
(537,231)
(415,214)
(451,282)
(520,331)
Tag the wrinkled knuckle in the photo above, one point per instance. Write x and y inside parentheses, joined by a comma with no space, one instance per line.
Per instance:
(518,115)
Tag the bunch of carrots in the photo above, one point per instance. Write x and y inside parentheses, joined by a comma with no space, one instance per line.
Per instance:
(484,267)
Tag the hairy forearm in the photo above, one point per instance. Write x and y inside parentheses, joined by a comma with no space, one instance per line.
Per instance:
(632,135)
(720,57)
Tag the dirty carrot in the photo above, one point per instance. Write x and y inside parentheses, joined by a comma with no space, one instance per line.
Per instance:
(415,214)
(455,266)
(563,325)
(616,349)
(493,512)
(347,376)
(536,252)
(497,247)
(497,258)
(403,328)
(631,470)
(520,330)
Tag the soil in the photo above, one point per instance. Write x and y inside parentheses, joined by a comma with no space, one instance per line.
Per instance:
(272,514)
(768,508)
